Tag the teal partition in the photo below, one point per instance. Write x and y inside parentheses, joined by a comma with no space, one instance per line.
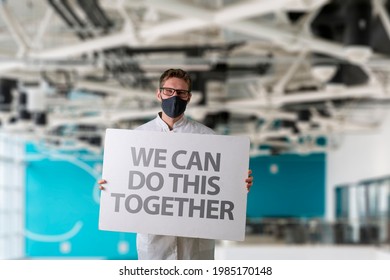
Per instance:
(62,208)
(287,185)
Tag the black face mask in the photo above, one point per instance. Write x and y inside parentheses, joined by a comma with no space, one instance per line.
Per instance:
(174,106)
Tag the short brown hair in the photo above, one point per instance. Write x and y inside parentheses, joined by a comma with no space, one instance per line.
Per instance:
(175,73)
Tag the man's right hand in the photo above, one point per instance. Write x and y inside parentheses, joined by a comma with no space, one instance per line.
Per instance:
(101,182)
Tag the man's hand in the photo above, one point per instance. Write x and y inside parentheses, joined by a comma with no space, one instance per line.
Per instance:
(249,180)
(101,182)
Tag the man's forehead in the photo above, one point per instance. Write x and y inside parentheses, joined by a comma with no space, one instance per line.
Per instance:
(176,82)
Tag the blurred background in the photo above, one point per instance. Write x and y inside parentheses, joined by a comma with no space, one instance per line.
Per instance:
(307,80)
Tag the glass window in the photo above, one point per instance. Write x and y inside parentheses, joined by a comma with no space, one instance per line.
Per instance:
(11,197)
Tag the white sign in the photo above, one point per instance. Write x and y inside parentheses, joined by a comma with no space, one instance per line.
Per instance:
(177,184)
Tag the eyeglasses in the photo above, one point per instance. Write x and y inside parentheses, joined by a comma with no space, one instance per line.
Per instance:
(182,93)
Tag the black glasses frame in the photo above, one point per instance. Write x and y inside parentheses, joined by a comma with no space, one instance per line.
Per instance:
(182,93)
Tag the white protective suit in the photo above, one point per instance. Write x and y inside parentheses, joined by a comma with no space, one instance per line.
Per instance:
(162,247)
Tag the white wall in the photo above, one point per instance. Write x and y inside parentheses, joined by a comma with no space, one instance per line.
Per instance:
(360,156)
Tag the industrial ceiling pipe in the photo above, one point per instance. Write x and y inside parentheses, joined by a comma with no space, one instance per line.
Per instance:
(95,14)
(80,24)
(357,30)
(357,23)
(69,20)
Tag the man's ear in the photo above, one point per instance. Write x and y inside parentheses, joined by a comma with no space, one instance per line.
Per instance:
(158,95)
(189,98)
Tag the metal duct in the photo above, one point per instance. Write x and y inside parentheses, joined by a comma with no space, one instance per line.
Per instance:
(66,13)
(330,22)
(352,23)
(95,14)
(75,17)
(379,39)
(358,23)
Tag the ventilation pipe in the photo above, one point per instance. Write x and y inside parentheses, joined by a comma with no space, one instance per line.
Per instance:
(66,13)
(357,30)
(95,14)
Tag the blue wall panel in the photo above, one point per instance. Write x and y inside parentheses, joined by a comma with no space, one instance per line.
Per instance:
(62,208)
(297,189)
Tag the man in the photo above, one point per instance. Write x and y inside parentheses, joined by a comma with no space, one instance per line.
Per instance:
(174,93)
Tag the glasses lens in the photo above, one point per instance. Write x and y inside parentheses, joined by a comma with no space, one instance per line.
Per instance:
(168,91)
(182,93)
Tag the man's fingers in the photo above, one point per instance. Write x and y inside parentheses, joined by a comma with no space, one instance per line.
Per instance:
(249,180)
(100,182)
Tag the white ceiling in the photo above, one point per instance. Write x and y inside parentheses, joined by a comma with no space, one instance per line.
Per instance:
(269,79)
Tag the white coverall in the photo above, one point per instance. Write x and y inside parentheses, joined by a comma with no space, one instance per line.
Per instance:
(163,247)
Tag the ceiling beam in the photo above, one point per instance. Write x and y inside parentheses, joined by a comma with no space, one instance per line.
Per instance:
(193,17)
(307,97)
(226,18)
(14,28)
(119,39)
